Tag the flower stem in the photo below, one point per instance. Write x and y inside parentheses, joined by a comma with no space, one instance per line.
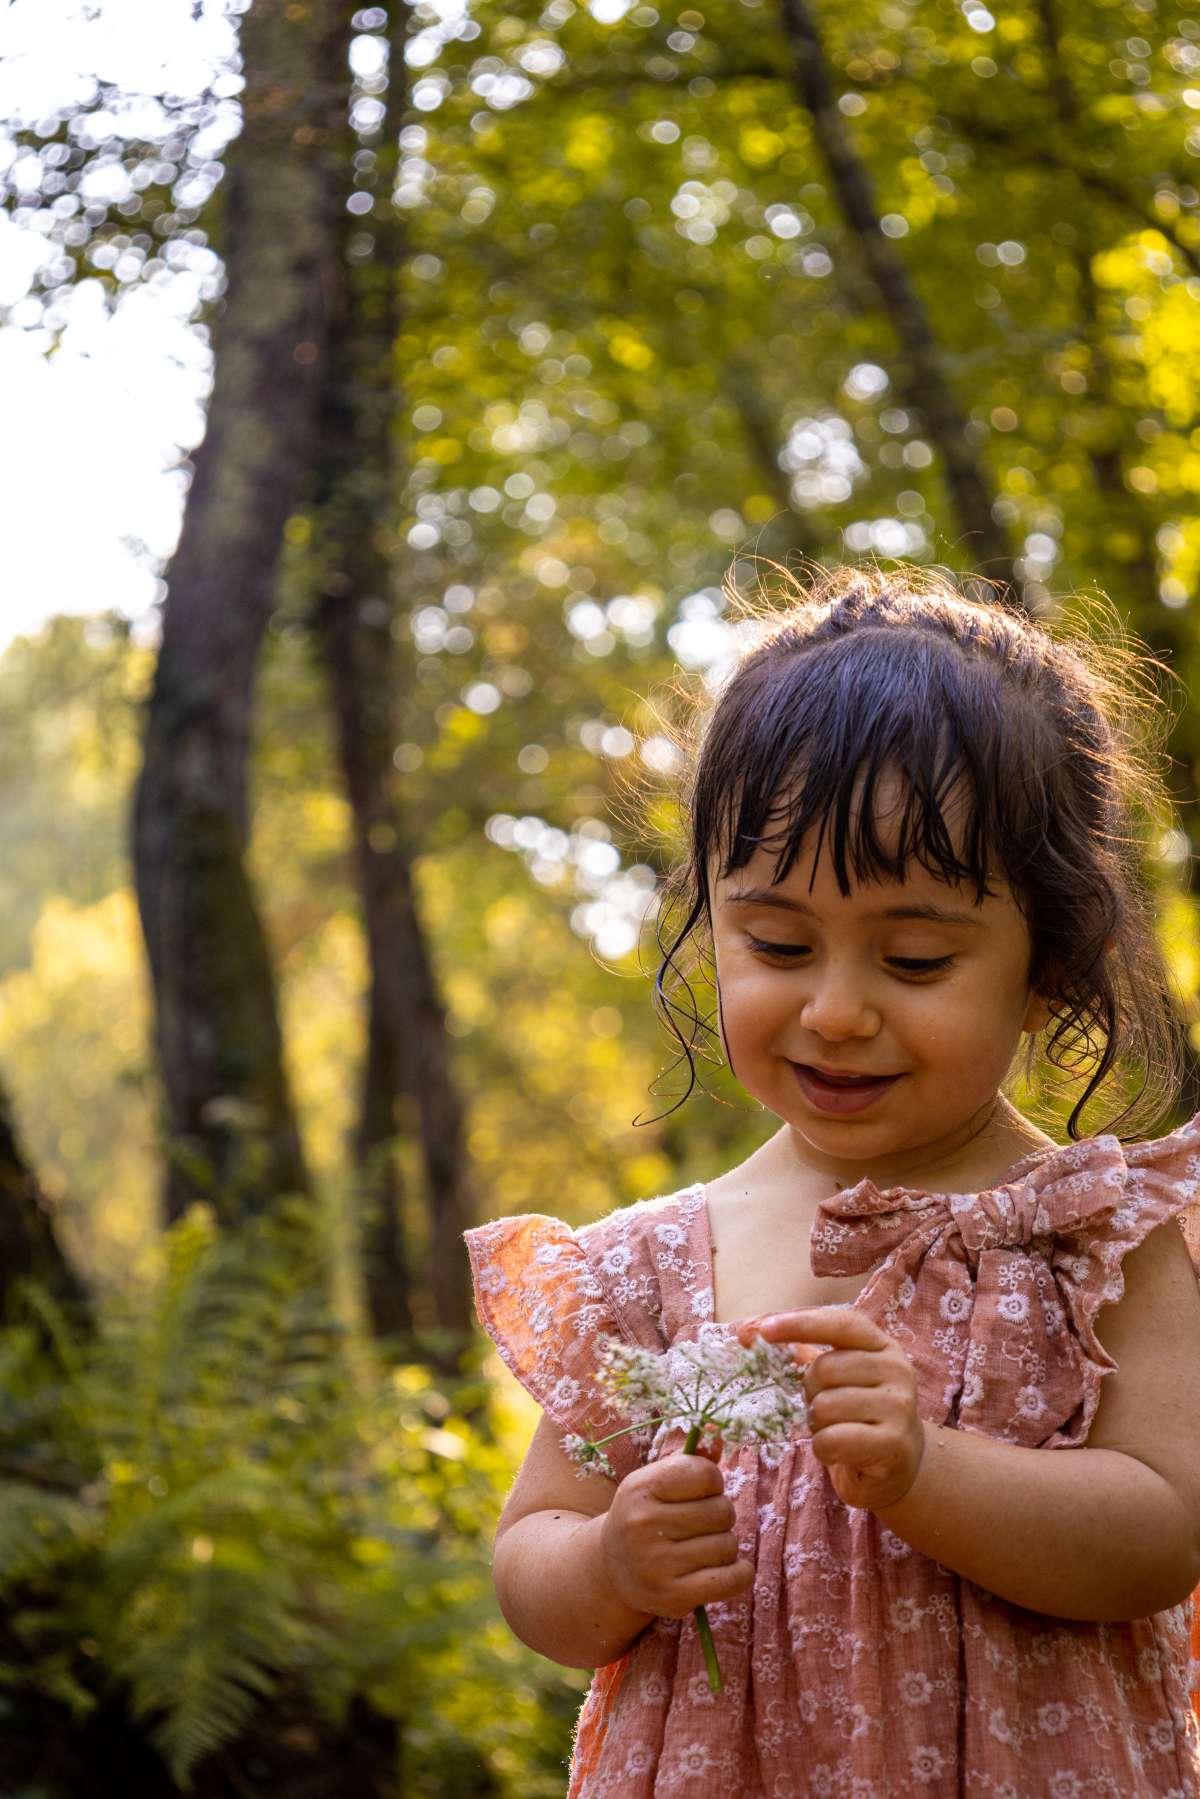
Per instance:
(716,1684)
(640,1424)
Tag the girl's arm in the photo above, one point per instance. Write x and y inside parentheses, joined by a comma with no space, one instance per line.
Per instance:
(583,1566)
(1104,1533)
(548,1564)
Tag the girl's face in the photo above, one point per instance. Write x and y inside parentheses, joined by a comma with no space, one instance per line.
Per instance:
(911,981)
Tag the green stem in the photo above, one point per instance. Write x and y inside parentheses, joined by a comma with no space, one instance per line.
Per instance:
(599,1442)
(716,1684)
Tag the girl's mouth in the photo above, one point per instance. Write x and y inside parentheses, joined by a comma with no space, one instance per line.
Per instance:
(845,1094)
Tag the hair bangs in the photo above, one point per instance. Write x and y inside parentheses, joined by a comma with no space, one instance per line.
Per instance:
(820,760)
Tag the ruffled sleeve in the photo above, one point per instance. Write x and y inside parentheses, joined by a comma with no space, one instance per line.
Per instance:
(995,1295)
(1160,1181)
(545,1295)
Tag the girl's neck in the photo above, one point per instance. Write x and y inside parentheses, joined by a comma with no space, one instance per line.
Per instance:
(969,1161)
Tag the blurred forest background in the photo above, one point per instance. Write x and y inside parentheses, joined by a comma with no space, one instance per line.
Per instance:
(328,907)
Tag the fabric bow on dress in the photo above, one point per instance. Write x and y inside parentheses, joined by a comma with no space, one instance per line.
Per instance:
(1017,1274)
(857,1665)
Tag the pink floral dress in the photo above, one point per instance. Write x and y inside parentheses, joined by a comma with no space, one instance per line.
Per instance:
(856,1667)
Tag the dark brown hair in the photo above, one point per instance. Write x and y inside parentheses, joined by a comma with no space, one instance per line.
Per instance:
(1050,743)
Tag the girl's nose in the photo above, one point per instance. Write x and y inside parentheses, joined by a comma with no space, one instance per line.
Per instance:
(838,1008)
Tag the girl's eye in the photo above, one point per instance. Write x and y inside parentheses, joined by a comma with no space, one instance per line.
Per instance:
(905,965)
(919,964)
(788,950)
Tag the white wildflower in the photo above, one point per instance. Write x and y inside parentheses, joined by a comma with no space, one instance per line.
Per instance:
(589,1455)
(712,1384)
(742,1394)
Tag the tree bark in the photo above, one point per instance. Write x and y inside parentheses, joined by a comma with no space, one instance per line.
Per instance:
(229,1113)
(355,687)
(357,478)
(921,376)
(29,1247)
(408,1046)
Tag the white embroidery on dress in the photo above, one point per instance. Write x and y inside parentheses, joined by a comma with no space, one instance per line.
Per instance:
(1017,1367)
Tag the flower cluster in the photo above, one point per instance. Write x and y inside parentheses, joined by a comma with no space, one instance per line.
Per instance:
(589,1455)
(742,1394)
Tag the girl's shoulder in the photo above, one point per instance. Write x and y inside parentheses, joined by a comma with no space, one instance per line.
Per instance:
(1163,1180)
(634,1226)
(622,1256)
(1116,1193)
(547,1293)
(651,1253)
(644,1225)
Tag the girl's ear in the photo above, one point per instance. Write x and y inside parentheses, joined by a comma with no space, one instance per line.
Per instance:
(1038,1013)
(1041,1002)
(1040,1009)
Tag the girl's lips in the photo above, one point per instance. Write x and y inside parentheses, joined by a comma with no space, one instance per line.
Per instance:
(826,1096)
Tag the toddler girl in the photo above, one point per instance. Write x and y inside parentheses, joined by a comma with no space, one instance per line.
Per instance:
(917,828)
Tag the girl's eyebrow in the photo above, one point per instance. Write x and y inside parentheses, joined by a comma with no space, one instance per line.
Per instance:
(765,896)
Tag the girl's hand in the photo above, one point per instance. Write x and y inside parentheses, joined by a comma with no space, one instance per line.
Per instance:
(668,1538)
(862,1400)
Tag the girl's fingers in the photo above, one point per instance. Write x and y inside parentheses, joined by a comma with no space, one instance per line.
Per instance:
(680,1476)
(680,1522)
(848,1405)
(858,1446)
(717,1551)
(711,1585)
(844,1368)
(832,1327)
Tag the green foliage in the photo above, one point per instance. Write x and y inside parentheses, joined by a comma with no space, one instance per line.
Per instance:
(632,316)
(222,1495)
(68,751)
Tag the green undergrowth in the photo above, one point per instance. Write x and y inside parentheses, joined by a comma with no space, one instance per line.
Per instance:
(220,1497)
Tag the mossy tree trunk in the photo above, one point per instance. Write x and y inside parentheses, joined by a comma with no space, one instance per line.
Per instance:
(408,1081)
(921,378)
(28,1244)
(349,633)
(229,1114)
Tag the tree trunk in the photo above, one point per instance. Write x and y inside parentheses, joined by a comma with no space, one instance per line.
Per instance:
(29,1247)
(229,1113)
(408,1046)
(355,491)
(921,377)
(355,682)
(410,992)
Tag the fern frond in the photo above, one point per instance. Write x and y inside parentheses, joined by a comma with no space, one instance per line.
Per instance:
(205,1645)
(38,1530)
(35,1297)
